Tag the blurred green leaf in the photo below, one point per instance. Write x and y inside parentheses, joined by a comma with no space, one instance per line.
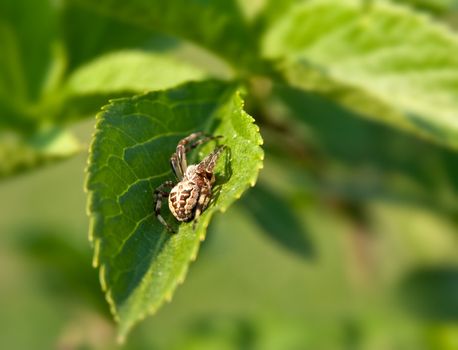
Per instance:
(432,292)
(434,6)
(380,60)
(31,65)
(141,263)
(32,29)
(20,153)
(275,215)
(130,71)
(217,25)
(352,158)
(273,9)
(118,74)
(28,43)
(87,35)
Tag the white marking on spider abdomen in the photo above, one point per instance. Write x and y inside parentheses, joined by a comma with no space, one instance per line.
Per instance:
(183,199)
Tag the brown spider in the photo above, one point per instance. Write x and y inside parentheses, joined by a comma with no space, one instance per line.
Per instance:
(191,195)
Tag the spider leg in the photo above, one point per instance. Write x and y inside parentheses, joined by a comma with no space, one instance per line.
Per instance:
(174,163)
(180,153)
(204,199)
(205,138)
(190,142)
(209,162)
(188,139)
(159,195)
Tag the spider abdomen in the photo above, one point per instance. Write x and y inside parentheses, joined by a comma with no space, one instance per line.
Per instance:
(183,200)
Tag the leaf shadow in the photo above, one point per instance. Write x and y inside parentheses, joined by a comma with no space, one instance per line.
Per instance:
(222,178)
(273,214)
(431,293)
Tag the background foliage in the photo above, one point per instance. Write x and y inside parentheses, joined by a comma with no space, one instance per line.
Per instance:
(348,241)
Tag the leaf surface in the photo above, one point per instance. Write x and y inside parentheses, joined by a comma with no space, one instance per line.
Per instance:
(20,153)
(140,262)
(130,71)
(383,61)
(120,74)
(218,25)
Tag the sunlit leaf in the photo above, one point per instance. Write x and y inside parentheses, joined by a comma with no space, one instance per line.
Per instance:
(121,74)
(381,60)
(141,263)
(365,160)
(20,153)
(130,71)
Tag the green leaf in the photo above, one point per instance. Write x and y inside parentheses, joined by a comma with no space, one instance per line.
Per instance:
(382,60)
(273,214)
(119,74)
(20,153)
(359,161)
(217,25)
(140,262)
(430,292)
(130,71)
(434,6)
(101,35)
(25,61)
(31,29)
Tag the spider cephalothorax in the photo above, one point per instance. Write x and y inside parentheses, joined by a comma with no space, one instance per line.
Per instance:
(191,195)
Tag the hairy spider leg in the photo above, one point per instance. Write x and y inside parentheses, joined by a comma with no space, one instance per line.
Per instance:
(178,159)
(209,162)
(159,195)
(180,152)
(174,163)
(207,165)
(205,138)
(204,199)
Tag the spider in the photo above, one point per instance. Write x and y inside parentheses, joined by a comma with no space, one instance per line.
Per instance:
(190,196)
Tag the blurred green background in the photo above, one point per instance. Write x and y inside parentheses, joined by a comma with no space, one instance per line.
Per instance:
(349,240)
(389,281)
(390,284)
